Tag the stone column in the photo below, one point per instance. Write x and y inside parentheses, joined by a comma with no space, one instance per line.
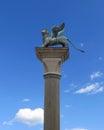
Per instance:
(52,59)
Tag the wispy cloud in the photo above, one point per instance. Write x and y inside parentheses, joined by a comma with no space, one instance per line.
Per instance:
(26,100)
(67,129)
(8,122)
(100,58)
(68,106)
(72,87)
(76,129)
(96,75)
(64,75)
(27,116)
(79,129)
(66,91)
(91,89)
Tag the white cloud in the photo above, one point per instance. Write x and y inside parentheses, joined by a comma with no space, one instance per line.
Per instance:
(76,129)
(26,100)
(27,116)
(91,89)
(96,75)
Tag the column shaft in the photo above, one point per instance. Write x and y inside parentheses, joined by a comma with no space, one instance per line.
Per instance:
(52,102)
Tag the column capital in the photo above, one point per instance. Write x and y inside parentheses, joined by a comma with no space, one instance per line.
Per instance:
(52,58)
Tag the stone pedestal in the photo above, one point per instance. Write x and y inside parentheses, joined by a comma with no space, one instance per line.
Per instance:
(52,59)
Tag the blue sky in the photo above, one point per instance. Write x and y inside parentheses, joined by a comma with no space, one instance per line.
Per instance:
(21,73)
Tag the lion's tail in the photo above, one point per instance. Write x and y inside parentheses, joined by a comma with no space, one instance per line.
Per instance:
(75,46)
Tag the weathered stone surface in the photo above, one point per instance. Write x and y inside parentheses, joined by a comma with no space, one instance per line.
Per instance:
(52,102)
(62,53)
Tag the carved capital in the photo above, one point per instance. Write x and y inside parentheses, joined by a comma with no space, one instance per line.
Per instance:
(52,65)
(52,58)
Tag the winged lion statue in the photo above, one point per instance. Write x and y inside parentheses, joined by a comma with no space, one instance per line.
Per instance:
(56,37)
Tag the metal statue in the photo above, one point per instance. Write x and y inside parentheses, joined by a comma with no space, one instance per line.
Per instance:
(55,38)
